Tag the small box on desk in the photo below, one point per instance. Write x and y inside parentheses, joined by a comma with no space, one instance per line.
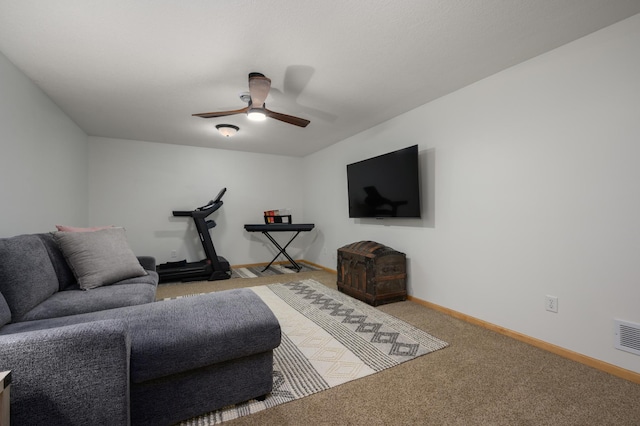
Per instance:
(372,272)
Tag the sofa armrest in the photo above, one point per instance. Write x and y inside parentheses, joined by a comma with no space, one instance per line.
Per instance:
(147,262)
(72,375)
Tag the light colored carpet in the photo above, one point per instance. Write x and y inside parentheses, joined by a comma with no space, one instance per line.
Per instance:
(482,378)
(328,339)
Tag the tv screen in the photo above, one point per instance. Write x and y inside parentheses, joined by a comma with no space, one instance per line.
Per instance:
(385,186)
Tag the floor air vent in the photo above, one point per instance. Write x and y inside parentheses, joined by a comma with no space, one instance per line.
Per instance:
(627,336)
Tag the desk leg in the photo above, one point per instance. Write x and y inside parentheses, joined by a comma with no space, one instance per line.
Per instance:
(283,250)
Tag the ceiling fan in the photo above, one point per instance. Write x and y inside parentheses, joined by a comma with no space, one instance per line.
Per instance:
(259,86)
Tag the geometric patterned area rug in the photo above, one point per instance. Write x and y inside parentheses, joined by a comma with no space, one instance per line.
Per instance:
(328,339)
(257,271)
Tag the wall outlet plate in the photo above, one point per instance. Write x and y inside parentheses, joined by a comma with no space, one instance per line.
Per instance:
(551,303)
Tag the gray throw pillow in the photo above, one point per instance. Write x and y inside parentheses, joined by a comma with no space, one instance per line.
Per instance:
(99,258)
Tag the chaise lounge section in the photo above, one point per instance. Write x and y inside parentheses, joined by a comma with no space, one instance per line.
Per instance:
(77,359)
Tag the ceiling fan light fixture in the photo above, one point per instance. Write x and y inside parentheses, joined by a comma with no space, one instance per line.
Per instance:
(256,115)
(227,130)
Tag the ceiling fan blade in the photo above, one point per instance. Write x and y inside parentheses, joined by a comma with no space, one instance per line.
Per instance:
(290,119)
(259,87)
(221,113)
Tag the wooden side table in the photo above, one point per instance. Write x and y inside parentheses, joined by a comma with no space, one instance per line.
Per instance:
(5,397)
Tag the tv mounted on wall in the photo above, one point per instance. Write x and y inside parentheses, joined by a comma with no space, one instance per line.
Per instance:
(385,186)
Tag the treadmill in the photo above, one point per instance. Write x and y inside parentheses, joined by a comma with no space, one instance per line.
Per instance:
(212,268)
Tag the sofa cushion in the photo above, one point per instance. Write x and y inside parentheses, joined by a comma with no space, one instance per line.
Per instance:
(60,265)
(74,302)
(222,326)
(27,277)
(5,312)
(99,258)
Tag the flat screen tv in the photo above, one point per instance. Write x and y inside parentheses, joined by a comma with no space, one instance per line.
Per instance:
(385,186)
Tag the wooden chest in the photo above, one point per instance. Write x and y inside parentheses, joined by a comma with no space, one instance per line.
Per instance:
(372,272)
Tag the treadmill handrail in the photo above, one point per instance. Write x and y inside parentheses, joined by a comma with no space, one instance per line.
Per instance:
(207,206)
(200,211)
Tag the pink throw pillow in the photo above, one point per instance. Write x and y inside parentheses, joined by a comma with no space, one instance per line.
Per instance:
(64,228)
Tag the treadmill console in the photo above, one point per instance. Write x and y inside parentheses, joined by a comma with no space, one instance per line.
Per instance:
(220,194)
(217,200)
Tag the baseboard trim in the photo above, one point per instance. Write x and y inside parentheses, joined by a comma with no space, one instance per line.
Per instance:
(324,268)
(632,376)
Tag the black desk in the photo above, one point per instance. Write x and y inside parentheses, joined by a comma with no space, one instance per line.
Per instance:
(281,227)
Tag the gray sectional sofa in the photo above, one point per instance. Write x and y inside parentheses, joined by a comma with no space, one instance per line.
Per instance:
(112,355)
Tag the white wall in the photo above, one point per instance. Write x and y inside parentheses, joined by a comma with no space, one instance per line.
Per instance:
(531,181)
(43,159)
(138,184)
(530,185)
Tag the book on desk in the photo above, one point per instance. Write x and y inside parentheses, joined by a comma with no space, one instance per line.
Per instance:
(277,216)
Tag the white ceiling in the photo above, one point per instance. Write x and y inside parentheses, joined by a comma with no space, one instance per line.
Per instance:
(138,69)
